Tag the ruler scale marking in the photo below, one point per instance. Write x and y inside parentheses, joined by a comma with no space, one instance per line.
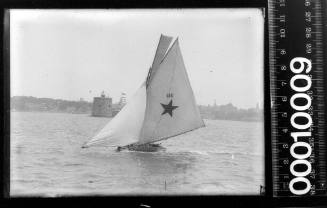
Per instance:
(295,31)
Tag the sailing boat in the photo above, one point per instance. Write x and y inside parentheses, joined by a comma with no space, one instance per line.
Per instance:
(163,107)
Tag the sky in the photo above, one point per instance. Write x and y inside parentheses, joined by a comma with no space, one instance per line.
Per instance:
(73,54)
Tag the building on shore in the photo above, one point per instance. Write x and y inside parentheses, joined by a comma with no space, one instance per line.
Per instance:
(102,106)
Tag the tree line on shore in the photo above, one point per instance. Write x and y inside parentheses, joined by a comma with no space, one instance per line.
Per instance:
(29,103)
(221,112)
(230,112)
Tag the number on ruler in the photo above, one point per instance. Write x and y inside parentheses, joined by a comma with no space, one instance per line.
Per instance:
(308,32)
(308,16)
(308,48)
(282,51)
(307,3)
(282,33)
(281,3)
(282,18)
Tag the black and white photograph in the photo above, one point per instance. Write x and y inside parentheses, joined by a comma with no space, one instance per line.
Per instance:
(136,102)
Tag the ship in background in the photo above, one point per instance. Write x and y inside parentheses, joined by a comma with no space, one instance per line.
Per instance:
(103,106)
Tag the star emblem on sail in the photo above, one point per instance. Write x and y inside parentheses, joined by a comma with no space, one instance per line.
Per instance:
(147,117)
(168,108)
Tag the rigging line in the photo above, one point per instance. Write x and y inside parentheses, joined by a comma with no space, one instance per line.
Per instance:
(164,138)
(166,54)
(181,118)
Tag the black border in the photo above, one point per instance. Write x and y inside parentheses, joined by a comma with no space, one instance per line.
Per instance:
(5,104)
(131,201)
(63,4)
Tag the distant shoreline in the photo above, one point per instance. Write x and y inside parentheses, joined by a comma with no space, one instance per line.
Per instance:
(212,112)
(20,111)
(90,115)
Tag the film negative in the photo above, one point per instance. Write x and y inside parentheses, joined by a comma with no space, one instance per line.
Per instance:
(297,70)
(230,101)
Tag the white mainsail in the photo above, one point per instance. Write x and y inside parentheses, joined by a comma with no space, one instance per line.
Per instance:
(163,107)
(171,108)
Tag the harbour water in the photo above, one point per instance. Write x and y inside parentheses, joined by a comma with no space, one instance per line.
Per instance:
(225,157)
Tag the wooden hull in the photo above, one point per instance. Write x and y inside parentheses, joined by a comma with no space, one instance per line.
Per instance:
(142,147)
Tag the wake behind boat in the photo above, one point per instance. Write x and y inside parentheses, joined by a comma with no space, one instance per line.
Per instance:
(163,107)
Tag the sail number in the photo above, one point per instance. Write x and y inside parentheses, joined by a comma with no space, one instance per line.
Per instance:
(301,121)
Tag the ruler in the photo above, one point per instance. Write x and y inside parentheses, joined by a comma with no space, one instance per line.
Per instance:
(297,85)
